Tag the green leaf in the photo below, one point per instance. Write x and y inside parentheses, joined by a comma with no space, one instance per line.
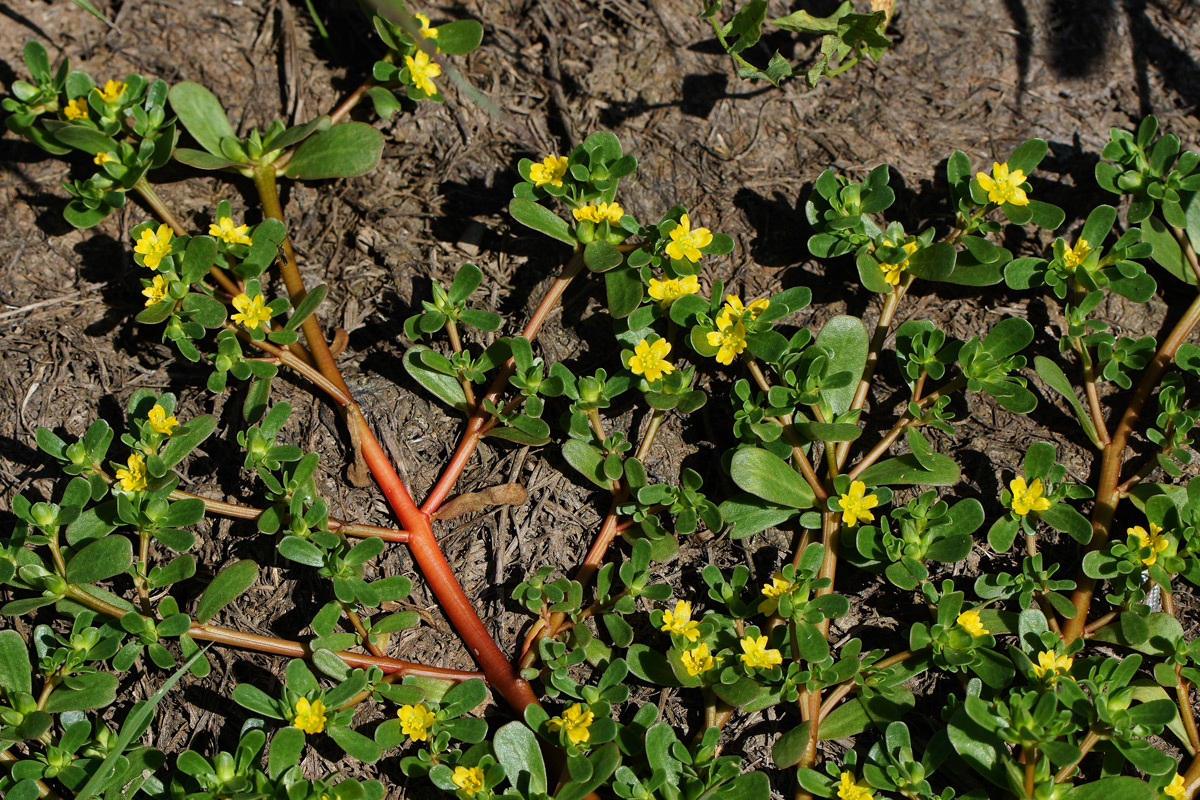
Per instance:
(1124,787)
(603,763)
(101,559)
(306,307)
(789,748)
(183,440)
(1008,337)
(440,385)
(202,115)
(88,140)
(1166,250)
(225,587)
(846,338)
(624,289)
(1066,519)
(15,672)
(83,693)
(464,697)
(650,665)
(516,748)
(355,743)
(1028,156)
(466,281)
(541,219)
(766,475)
(459,37)
(201,159)
(906,470)
(600,256)
(343,151)
(587,460)
(1053,376)
(749,515)
(933,263)
(286,746)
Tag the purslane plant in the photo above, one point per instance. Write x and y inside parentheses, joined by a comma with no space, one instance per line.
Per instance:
(1031,708)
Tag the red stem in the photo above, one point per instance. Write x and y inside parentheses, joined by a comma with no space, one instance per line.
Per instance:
(475,423)
(432,563)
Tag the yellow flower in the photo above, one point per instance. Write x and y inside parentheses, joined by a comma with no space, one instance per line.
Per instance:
(76,109)
(698,660)
(1027,498)
(153,246)
(160,422)
(310,717)
(892,272)
(426,30)
(650,360)
(1053,664)
(756,654)
(1074,256)
(1003,185)
(734,311)
(971,623)
(133,479)
(685,242)
(101,158)
(849,789)
(1154,540)
(599,212)
(156,292)
(253,312)
(232,234)
(680,621)
(1175,789)
(576,720)
(112,90)
(855,506)
(551,171)
(416,721)
(469,779)
(731,340)
(670,290)
(423,71)
(772,591)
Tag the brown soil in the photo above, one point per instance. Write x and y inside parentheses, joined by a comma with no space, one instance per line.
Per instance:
(976,75)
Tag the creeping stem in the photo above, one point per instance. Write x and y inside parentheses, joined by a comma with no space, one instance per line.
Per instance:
(478,419)
(1108,494)
(282,647)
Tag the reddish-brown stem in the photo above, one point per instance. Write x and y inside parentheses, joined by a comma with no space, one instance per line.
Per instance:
(1183,693)
(907,419)
(1099,623)
(799,458)
(268,195)
(475,423)
(223,509)
(281,647)
(1112,459)
(882,326)
(336,390)
(361,630)
(1085,747)
(456,346)
(432,563)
